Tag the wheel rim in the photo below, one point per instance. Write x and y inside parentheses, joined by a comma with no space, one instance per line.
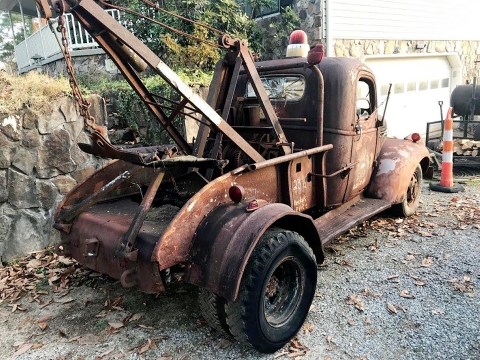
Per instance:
(413,189)
(283,291)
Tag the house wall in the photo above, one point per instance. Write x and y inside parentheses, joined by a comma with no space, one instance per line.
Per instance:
(389,27)
(384,27)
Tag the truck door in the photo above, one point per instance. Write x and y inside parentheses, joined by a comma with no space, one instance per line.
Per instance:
(365,141)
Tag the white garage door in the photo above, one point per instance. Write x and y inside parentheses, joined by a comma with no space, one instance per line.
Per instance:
(418,84)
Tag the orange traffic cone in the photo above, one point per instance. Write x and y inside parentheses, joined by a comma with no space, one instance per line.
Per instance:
(446,178)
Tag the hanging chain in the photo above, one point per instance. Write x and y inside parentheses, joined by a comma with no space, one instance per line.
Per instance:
(83,104)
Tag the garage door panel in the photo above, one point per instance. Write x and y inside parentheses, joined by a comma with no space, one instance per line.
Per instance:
(418,84)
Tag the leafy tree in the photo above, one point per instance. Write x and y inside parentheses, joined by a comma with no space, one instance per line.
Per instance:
(7,41)
(225,15)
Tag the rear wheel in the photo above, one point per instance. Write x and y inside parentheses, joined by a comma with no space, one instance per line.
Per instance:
(410,203)
(276,291)
(212,308)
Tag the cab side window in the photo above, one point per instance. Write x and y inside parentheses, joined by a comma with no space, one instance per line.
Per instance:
(365,99)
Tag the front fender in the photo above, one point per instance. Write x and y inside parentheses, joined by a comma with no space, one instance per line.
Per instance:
(395,165)
(225,239)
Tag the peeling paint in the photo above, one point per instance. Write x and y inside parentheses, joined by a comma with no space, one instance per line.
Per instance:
(385,166)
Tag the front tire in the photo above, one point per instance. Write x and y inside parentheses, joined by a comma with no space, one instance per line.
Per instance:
(276,291)
(410,203)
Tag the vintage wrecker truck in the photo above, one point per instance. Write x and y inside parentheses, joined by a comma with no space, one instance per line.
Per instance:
(290,154)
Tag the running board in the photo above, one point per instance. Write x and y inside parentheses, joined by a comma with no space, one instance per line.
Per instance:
(339,221)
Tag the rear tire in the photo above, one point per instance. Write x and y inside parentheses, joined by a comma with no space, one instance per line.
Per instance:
(276,291)
(212,308)
(410,203)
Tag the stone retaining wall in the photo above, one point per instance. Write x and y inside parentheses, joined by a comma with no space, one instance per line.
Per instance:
(39,163)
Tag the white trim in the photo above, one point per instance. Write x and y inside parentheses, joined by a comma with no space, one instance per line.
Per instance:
(329,40)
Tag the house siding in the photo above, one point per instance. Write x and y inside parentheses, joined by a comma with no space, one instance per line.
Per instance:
(405,19)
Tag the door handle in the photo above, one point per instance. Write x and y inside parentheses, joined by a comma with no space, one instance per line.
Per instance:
(358,130)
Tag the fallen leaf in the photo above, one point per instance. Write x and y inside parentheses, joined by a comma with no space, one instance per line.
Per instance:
(42,325)
(427,262)
(368,321)
(137,316)
(329,339)
(406,295)
(392,277)
(65,301)
(355,300)
(116,325)
(145,326)
(23,349)
(438,311)
(144,348)
(37,346)
(44,318)
(351,322)
(105,353)
(391,308)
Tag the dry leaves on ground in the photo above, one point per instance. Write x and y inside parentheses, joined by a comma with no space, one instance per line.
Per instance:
(354,299)
(30,275)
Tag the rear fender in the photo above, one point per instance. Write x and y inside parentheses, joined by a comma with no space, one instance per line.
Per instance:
(227,236)
(395,165)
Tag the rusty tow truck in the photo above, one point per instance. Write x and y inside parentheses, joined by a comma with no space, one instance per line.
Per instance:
(290,153)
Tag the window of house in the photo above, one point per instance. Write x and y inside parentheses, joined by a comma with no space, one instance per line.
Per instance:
(445,82)
(434,84)
(398,88)
(423,85)
(263,8)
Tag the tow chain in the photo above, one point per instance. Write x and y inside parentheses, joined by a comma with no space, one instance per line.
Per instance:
(83,104)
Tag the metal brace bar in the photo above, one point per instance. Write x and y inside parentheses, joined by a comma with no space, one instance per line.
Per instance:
(92,199)
(263,98)
(124,249)
(226,110)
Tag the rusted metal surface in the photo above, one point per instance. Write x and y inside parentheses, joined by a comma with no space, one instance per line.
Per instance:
(396,163)
(157,156)
(73,212)
(126,246)
(174,244)
(95,236)
(140,176)
(226,238)
(348,215)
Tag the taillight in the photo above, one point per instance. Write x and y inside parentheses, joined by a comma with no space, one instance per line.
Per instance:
(415,137)
(236,193)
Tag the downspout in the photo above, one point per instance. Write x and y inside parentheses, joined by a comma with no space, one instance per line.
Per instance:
(328,27)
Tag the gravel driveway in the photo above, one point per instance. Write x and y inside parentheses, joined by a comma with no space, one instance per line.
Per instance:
(390,289)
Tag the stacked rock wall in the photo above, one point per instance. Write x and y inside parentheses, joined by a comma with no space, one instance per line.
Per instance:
(39,163)
(468,51)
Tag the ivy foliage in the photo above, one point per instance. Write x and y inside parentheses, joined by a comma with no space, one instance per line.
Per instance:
(228,16)
(135,114)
